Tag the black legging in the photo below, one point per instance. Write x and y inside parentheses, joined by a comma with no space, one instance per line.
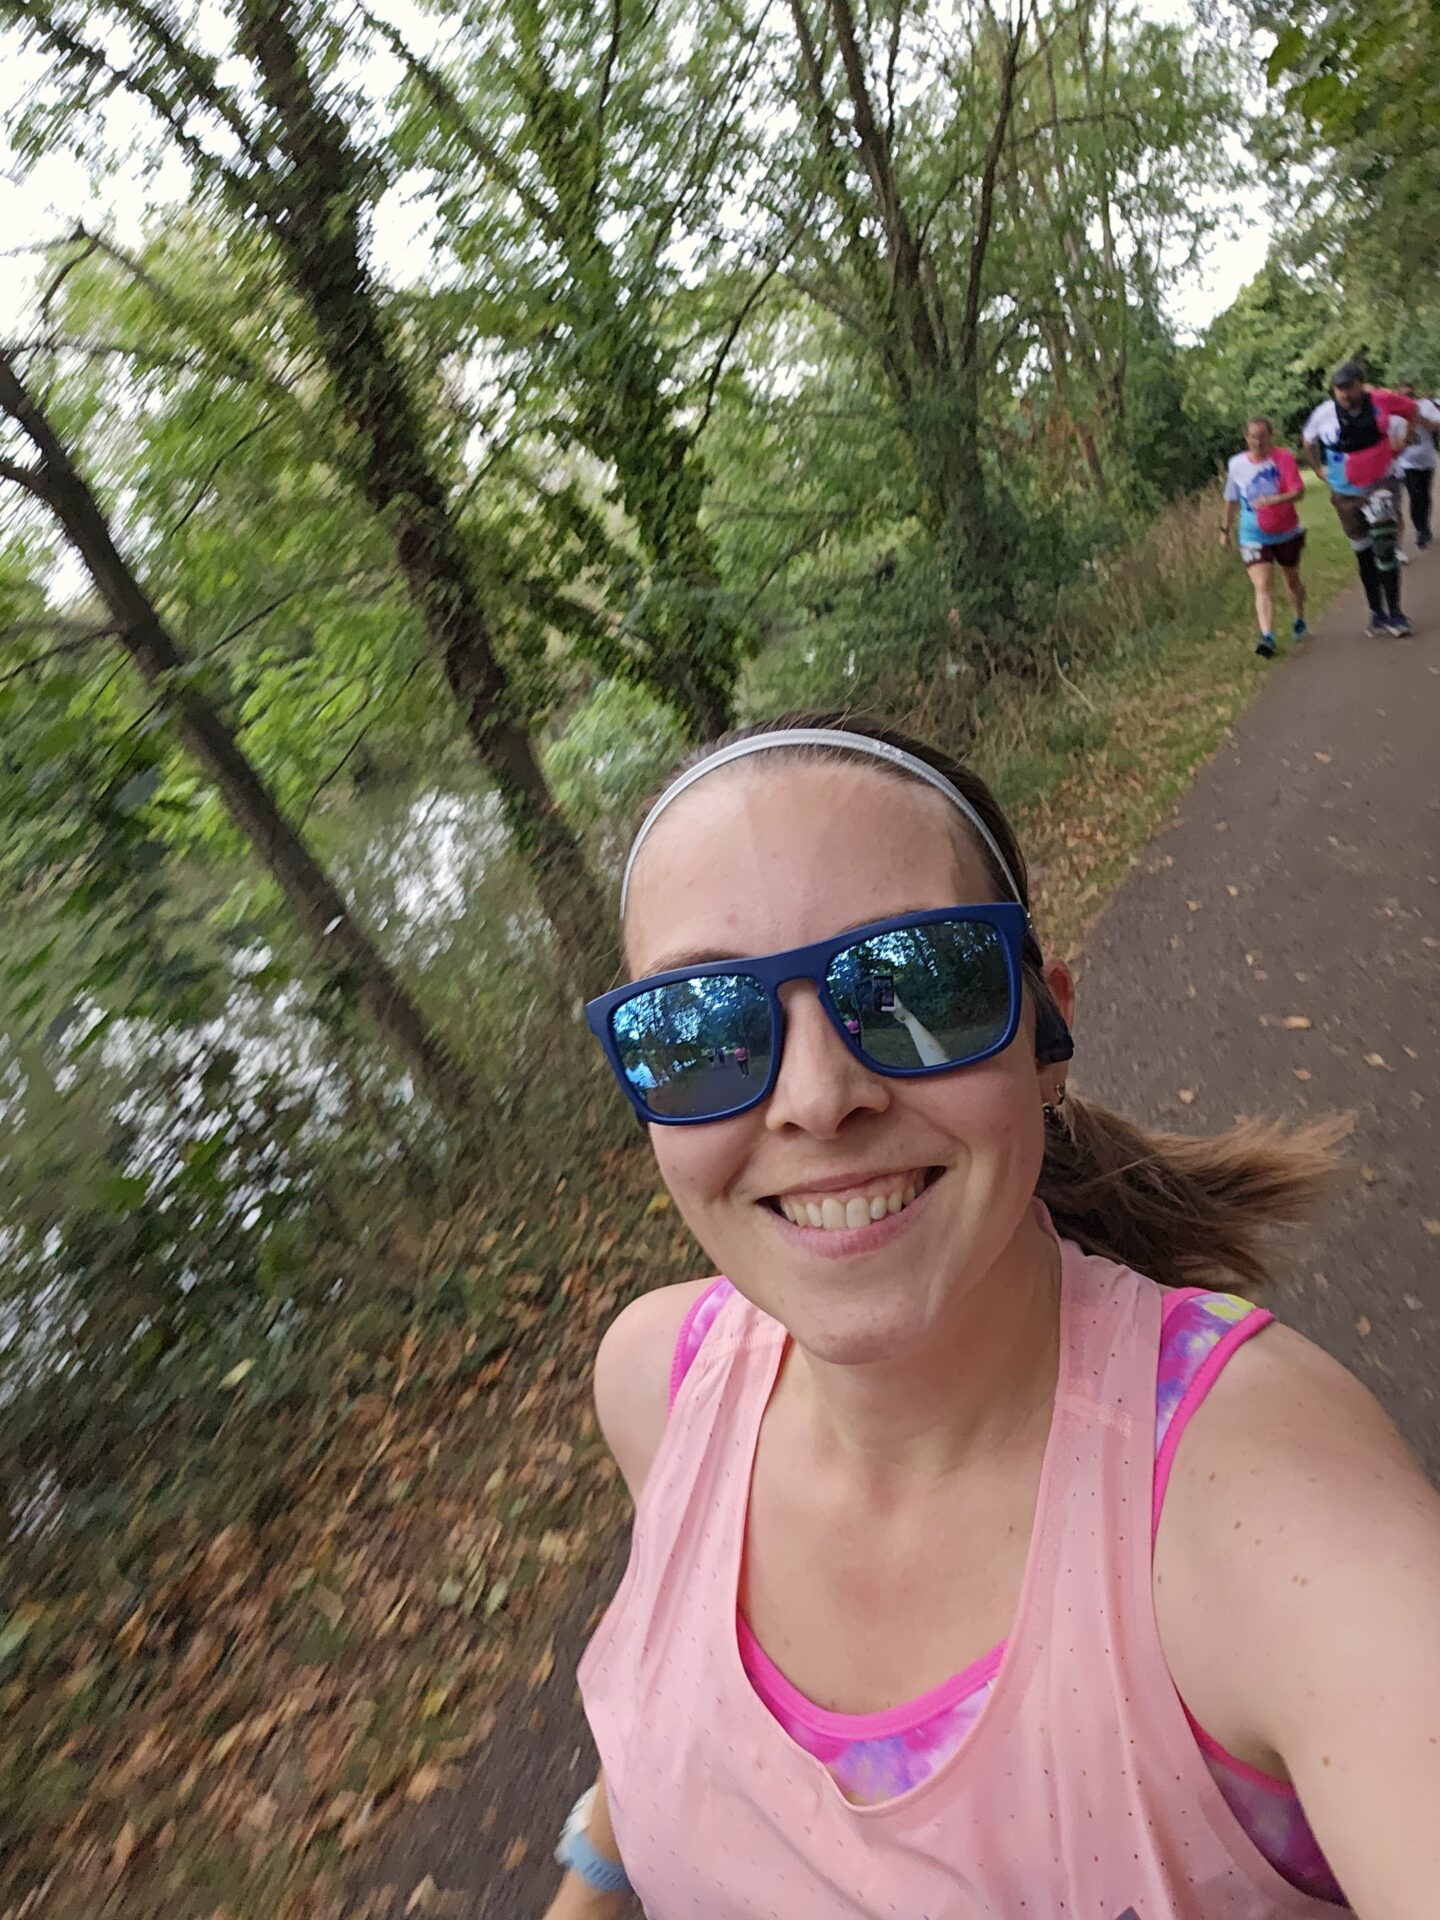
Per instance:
(1417,484)
(1382,590)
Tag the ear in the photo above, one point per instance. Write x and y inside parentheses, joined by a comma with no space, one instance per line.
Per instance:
(1054,1012)
(1061,983)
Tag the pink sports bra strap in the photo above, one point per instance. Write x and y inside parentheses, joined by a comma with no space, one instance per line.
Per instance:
(1198,1334)
(693,1329)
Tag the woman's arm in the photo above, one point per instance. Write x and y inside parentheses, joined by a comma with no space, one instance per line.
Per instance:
(632,1403)
(577,1899)
(1291,478)
(1299,1596)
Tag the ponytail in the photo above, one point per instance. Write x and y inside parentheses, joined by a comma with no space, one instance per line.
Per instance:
(1183,1209)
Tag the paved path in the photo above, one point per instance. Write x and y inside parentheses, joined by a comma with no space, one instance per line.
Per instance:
(1301,878)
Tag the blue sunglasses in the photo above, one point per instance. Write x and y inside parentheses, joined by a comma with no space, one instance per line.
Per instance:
(924,993)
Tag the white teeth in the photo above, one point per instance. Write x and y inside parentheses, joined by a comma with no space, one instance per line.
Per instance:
(835,1211)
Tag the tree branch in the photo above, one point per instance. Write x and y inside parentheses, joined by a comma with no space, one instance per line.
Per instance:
(145,357)
(602,101)
(78,644)
(975,276)
(224,454)
(905,259)
(447,104)
(28,477)
(732,334)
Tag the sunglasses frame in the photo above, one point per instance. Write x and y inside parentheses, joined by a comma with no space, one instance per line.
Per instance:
(771,971)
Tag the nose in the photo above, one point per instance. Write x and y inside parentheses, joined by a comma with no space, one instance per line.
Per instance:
(820,1084)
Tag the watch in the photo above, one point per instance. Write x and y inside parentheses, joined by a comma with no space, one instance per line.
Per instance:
(576,1853)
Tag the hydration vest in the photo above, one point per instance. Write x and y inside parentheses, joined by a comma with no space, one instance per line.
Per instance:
(1359,427)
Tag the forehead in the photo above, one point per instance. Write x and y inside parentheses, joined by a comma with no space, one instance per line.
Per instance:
(756,858)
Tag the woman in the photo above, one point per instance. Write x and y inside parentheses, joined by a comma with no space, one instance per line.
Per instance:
(1264,482)
(973,1572)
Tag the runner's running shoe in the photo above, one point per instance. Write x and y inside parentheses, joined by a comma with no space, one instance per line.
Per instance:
(1298,629)
(1397,624)
(1379,627)
(1266,646)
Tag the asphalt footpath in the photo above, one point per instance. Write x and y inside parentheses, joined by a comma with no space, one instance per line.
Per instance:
(1276,951)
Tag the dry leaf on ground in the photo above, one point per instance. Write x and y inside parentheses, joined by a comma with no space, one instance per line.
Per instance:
(544,1666)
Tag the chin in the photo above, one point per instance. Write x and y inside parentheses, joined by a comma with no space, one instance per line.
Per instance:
(846,1317)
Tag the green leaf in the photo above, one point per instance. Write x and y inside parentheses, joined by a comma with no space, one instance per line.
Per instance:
(1288,51)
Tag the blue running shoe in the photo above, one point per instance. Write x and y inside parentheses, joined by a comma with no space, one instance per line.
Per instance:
(1398,624)
(1266,648)
(1298,629)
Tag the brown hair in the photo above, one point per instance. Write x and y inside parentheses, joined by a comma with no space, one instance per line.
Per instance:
(1179,1208)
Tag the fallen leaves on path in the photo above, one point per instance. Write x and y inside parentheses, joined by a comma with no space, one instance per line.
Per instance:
(240,1703)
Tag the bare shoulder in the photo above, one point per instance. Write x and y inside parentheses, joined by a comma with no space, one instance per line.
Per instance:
(1287,1420)
(1296,1508)
(632,1375)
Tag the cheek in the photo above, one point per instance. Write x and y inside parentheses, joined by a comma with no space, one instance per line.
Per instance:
(993,1111)
(698,1164)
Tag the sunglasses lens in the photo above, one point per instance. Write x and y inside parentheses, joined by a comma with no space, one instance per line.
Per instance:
(696,1049)
(929,996)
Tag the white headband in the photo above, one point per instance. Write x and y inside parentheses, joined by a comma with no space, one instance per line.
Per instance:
(817,737)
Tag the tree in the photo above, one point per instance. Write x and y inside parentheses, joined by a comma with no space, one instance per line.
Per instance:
(573,189)
(346,953)
(1265,353)
(1362,214)
(1117,143)
(287,157)
(892,206)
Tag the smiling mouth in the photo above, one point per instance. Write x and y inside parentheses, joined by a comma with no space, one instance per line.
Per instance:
(859,1206)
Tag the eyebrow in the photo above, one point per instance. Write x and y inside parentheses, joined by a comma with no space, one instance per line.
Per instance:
(704,956)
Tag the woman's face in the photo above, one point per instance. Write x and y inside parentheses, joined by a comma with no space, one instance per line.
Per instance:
(1258,438)
(756,859)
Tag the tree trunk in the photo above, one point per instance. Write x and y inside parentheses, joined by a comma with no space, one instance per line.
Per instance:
(314,210)
(349,959)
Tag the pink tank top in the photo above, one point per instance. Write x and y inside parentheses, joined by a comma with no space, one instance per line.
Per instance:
(1078,1786)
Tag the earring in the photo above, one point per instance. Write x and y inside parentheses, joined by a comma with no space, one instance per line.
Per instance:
(1054,1117)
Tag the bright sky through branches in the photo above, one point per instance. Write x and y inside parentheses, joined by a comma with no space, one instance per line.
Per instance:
(58,193)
